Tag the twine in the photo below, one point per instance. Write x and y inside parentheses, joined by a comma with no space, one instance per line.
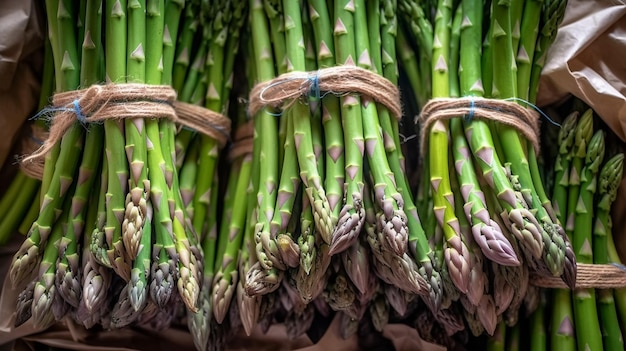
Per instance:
(243,141)
(284,90)
(30,143)
(105,102)
(588,276)
(203,120)
(525,120)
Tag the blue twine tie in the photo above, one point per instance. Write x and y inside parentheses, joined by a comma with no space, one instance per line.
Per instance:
(50,110)
(470,116)
(79,113)
(543,114)
(314,91)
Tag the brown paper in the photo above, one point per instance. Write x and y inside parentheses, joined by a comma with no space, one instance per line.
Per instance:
(587,61)
(21,58)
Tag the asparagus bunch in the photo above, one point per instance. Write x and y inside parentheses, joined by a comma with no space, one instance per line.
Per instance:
(502,195)
(586,179)
(113,238)
(338,157)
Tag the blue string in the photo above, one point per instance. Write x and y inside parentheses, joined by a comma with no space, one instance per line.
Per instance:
(314,91)
(469,117)
(50,110)
(619,265)
(79,113)
(553,122)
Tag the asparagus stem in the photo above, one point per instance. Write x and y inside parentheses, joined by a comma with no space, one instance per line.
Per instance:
(136,152)
(115,36)
(226,277)
(352,214)
(456,252)
(319,13)
(609,322)
(562,319)
(588,333)
(608,183)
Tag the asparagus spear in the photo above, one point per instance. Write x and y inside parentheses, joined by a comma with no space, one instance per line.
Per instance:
(134,216)
(608,182)
(352,214)
(226,276)
(331,115)
(588,333)
(456,253)
(115,43)
(265,129)
(96,278)
(609,177)
(562,319)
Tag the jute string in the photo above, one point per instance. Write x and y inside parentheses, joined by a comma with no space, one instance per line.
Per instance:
(121,101)
(592,276)
(284,90)
(525,120)
(203,120)
(243,141)
(30,143)
(105,102)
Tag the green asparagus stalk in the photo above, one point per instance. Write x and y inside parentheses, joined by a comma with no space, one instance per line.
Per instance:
(282,254)
(562,319)
(96,278)
(455,252)
(320,17)
(608,182)
(226,277)
(588,333)
(287,189)
(265,130)
(609,177)
(116,44)
(556,252)
(183,50)
(498,340)
(352,214)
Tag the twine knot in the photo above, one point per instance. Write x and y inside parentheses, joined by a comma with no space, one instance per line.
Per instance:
(525,120)
(104,102)
(284,90)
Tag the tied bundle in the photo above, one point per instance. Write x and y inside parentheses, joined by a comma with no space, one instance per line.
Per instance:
(112,240)
(586,175)
(481,195)
(331,224)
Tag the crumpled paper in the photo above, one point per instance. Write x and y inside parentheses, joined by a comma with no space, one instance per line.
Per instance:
(587,61)
(21,58)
